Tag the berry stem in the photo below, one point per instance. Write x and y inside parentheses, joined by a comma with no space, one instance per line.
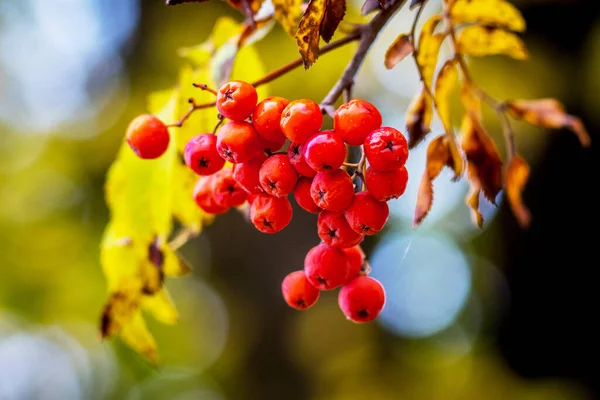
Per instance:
(194,106)
(204,86)
(220,121)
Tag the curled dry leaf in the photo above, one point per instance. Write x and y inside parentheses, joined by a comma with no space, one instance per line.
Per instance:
(499,13)
(486,40)
(309,31)
(429,48)
(550,114)
(517,174)
(418,117)
(334,14)
(472,201)
(398,50)
(287,13)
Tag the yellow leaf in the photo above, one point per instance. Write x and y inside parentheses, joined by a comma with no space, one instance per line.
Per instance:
(471,103)
(550,114)
(488,12)
(444,84)
(287,13)
(472,201)
(517,174)
(483,41)
(334,14)
(136,335)
(309,31)
(175,264)
(418,117)
(161,306)
(398,50)
(429,48)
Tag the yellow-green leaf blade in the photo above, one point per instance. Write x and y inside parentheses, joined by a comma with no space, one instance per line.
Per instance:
(488,12)
(484,41)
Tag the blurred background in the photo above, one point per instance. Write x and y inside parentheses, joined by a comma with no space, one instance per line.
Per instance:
(498,313)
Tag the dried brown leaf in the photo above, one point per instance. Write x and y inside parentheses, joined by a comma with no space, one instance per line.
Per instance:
(429,47)
(334,14)
(480,40)
(517,174)
(472,201)
(287,13)
(548,113)
(398,50)
(418,117)
(309,30)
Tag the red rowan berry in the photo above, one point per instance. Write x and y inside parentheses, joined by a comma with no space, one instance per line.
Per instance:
(333,190)
(386,149)
(272,146)
(226,191)
(270,214)
(367,215)
(246,174)
(362,299)
(354,120)
(356,259)
(266,117)
(295,153)
(203,196)
(277,175)
(147,136)
(297,291)
(326,267)
(303,197)
(300,120)
(238,142)
(334,230)
(386,185)
(200,154)
(325,151)
(236,100)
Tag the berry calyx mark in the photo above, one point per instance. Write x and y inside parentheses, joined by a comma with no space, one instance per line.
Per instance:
(332,233)
(389,145)
(321,194)
(363,313)
(267,223)
(203,163)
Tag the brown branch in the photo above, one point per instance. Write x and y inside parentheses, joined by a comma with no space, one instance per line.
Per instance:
(191,110)
(248,13)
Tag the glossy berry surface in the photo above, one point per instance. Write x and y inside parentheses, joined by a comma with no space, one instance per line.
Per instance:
(334,230)
(356,259)
(354,120)
(367,215)
(386,185)
(226,191)
(203,196)
(277,175)
(362,299)
(236,100)
(238,142)
(295,153)
(326,267)
(325,151)
(297,291)
(266,117)
(386,149)
(200,154)
(246,174)
(270,214)
(272,146)
(147,136)
(300,120)
(303,197)
(333,190)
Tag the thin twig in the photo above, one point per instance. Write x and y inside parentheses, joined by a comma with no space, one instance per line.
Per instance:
(220,121)
(204,86)
(248,13)
(182,238)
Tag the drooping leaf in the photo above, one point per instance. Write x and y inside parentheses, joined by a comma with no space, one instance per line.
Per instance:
(470,102)
(517,174)
(369,6)
(485,40)
(398,50)
(548,113)
(445,81)
(498,13)
(484,165)
(161,307)
(472,201)
(309,31)
(418,117)
(429,48)
(137,336)
(334,14)
(287,13)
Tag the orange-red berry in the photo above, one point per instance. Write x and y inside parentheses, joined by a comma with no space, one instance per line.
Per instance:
(362,299)
(238,142)
(236,100)
(333,190)
(334,230)
(203,195)
(277,175)
(226,191)
(300,120)
(354,120)
(367,215)
(200,154)
(326,267)
(246,174)
(386,149)
(356,259)
(147,136)
(295,153)
(303,197)
(270,214)
(266,117)
(386,185)
(297,291)
(325,151)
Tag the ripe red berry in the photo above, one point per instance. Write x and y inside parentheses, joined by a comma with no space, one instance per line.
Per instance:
(226,191)
(300,120)
(334,230)
(303,197)
(333,190)
(367,215)
(203,196)
(270,214)
(277,175)
(356,259)
(295,153)
(362,299)
(297,291)
(326,267)
(325,151)
(236,100)
(147,136)
(354,120)
(266,117)
(246,174)
(200,154)
(238,142)
(386,185)
(272,146)
(386,149)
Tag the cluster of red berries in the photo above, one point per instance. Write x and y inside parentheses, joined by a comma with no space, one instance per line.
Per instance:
(313,169)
